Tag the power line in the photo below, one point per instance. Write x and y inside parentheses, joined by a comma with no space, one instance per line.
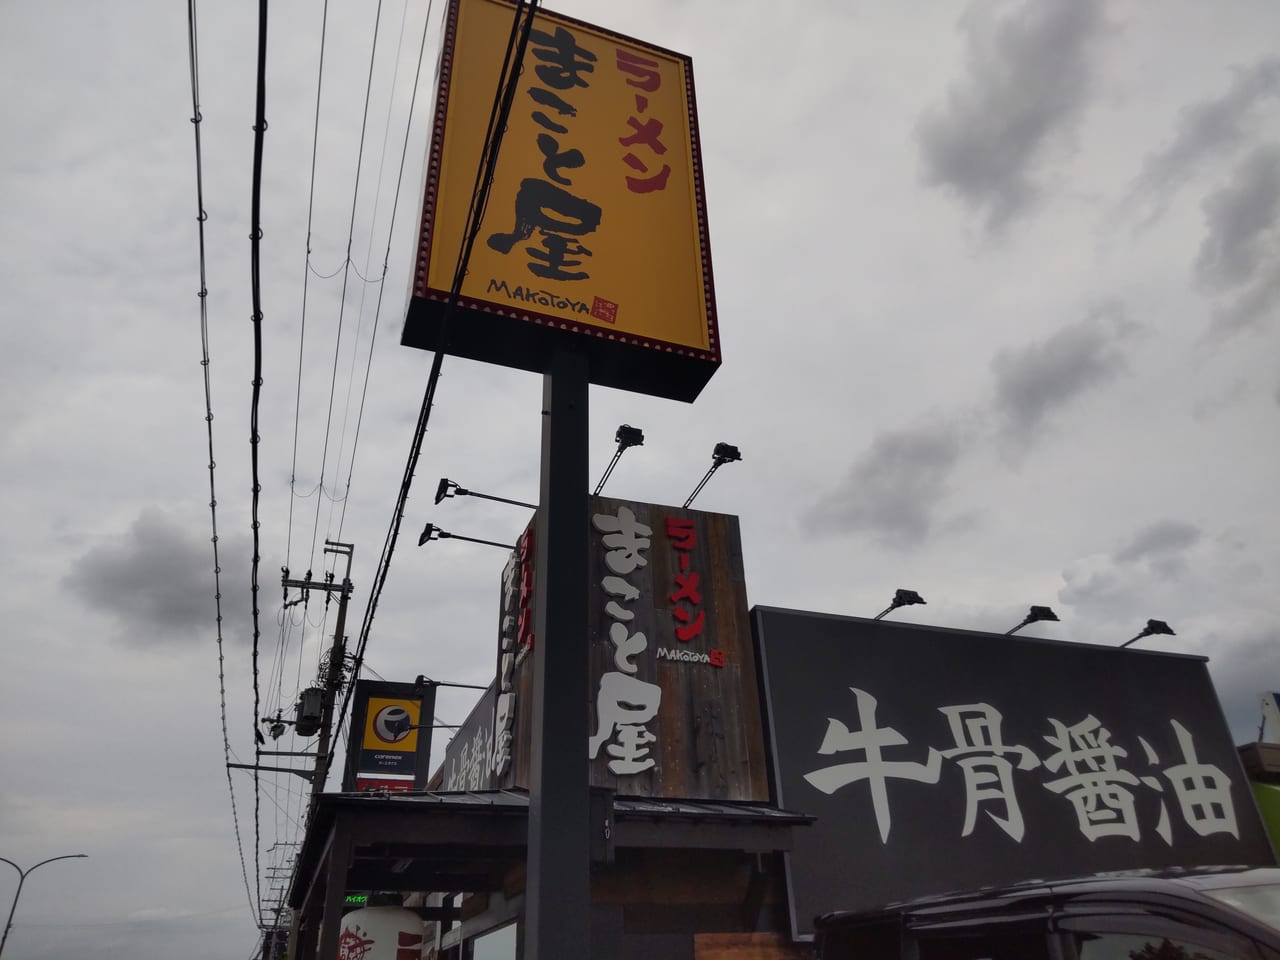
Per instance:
(377,196)
(498,115)
(342,301)
(302,337)
(355,349)
(203,295)
(386,259)
(255,281)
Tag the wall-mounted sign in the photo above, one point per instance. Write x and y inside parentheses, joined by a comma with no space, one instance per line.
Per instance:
(515,640)
(393,748)
(468,758)
(594,235)
(940,760)
(674,700)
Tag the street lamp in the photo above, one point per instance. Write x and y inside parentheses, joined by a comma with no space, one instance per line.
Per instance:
(901,598)
(22,877)
(1034,615)
(1152,628)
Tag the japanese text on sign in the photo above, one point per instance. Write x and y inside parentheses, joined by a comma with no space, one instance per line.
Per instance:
(686,599)
(542,205)
(516,640)
(1085,765)
(624,702)
(643,74)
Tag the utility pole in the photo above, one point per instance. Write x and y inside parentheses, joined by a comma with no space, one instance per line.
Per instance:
(332,685)
(332,678)
(337,659)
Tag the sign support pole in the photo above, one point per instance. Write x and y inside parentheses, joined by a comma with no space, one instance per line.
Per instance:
(558,896)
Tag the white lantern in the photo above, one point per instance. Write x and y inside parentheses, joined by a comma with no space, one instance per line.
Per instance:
(380,933)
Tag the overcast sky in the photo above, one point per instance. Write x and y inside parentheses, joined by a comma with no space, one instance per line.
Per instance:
(999,292)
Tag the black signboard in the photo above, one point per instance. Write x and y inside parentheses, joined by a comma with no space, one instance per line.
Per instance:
(938,760)
(468,758)
(390,742)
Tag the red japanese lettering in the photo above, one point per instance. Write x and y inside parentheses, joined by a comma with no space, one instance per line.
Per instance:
(687,633)
(686,589)
(649,184)
(682,532)
(646,71)
(646,134)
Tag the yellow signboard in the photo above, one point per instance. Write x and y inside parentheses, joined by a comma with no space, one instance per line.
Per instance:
(390,725)
(594,232)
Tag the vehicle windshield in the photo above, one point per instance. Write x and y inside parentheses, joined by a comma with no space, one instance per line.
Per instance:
(1259,900)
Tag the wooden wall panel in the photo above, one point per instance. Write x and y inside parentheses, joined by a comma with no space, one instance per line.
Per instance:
(709,736)
(710,741)
(749,946)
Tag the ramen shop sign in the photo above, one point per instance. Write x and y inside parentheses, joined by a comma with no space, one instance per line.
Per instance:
(594,235)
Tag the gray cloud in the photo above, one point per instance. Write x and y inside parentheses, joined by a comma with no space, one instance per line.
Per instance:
(1238,217)
(1034,381)
(1159,539)
(156,580)
(1239,257)
(894,487)
(1028,84)
(1204,130)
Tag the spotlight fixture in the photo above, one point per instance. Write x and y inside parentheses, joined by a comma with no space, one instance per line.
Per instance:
(432,532)
(626,437)
(1153,628)
(901,598)
(448,488)
(1034,615)
(722,453)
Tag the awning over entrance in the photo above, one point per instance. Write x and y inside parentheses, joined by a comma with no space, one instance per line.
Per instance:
(468,841)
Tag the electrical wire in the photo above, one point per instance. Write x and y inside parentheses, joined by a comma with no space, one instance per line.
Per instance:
(203,295)
(342,301)
(347,268)
(498,115)
(386,259)
(426,24)
(377,196)
(302,337)
(255,281)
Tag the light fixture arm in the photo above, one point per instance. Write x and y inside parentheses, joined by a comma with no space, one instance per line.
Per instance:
(489,543)
(22,878)
(489,496)
(617,455)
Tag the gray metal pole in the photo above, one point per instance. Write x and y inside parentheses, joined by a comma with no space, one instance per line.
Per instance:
(558,896)
(22,878)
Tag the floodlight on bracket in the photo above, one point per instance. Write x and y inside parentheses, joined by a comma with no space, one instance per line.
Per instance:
(722,453)
(626,437)
(901,598)
(1153,628)
(1034,615)
(448,488)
